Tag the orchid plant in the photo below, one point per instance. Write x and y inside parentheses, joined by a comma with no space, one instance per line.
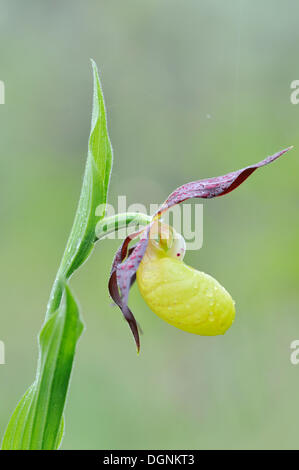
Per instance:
(182,296)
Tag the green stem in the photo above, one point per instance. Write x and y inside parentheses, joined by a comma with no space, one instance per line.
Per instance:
(105,227)
(119,221)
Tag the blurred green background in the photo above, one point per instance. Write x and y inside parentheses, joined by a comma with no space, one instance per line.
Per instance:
(193,89)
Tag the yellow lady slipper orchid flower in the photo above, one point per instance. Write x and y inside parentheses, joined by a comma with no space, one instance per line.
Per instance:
(182,296)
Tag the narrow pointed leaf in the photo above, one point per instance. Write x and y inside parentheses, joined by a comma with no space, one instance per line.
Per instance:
(37,422)
(94,188)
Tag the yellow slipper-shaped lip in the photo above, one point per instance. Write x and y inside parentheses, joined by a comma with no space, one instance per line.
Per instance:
(182,296)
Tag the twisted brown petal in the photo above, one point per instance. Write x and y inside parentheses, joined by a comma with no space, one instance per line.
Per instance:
(123,275)
(217,186)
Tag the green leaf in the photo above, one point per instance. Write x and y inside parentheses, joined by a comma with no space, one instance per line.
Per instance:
(93,195)
(95,186)
(37,422)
